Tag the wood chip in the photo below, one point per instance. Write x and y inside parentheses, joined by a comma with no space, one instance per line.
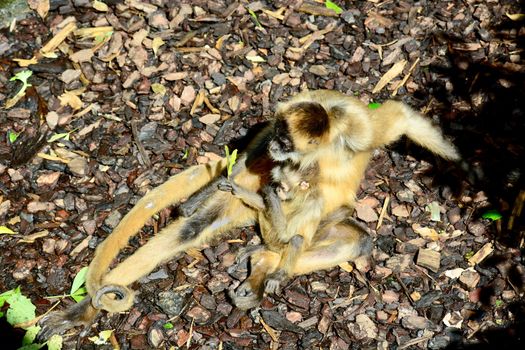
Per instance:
(405,79)
(58,38)
(429,258)
(391,74)
(481,254)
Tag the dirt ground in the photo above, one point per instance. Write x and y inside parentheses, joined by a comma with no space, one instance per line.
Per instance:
(162,85)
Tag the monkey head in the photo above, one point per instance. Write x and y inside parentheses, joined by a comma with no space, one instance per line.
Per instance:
(299,129)
(315,122)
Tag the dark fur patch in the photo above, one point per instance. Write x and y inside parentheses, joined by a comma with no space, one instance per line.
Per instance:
(199,221)
(313,119)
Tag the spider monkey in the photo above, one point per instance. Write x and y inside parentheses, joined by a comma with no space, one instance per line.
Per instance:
(335,134)
(327,128)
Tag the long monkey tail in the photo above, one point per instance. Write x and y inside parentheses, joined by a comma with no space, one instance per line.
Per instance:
(420,130)
(172,191)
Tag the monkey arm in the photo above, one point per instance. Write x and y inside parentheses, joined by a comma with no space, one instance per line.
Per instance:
(248,197)
(198,199)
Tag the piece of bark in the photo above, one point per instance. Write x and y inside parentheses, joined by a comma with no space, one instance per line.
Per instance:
(428,258)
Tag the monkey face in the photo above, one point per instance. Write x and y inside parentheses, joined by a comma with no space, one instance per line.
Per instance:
(281,147)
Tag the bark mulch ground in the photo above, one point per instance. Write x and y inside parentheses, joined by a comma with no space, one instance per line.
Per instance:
(126,93)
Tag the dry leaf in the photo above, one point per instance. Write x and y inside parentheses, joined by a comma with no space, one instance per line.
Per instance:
(68,98)
(92,32)
(33,237)
(199,100)
(156,44)
(391,74)
(425,232)
(346,267)
(40,6)
(100,6)
(405,79)
(25,63)
(269,330)
(52,158)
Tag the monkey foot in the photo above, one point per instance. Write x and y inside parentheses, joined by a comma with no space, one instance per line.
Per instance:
(244,297)
(186,210)
(273,282)
(58,322)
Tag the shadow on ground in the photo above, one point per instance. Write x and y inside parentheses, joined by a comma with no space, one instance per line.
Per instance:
(483,108)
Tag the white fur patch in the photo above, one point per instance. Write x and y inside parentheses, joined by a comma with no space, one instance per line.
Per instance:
(149,205)
(217,224)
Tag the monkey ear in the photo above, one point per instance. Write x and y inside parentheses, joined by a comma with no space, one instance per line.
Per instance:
(310,118)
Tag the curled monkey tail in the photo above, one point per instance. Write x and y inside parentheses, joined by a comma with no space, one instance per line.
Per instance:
(421,130)
(172,191)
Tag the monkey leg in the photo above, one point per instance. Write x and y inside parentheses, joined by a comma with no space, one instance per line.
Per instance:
(290,255)
(172,191)
(250,292)
(334,245)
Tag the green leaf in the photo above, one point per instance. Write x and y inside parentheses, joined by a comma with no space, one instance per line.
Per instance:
(374,105)
(79,280)
(23,76)
(333,6)
(499,303)
(231,159)
(254,16)
(55,342)
(21,309)
(79,294)
(168,325)
(186,152)
(4,230)
(492,214)
(6,295)
(12,136)
(55,137)
(31,347)
(469,255)
(158,89)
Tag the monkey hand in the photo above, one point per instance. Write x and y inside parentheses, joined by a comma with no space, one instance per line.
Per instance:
(274,280)
(186,209)
(225,185)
